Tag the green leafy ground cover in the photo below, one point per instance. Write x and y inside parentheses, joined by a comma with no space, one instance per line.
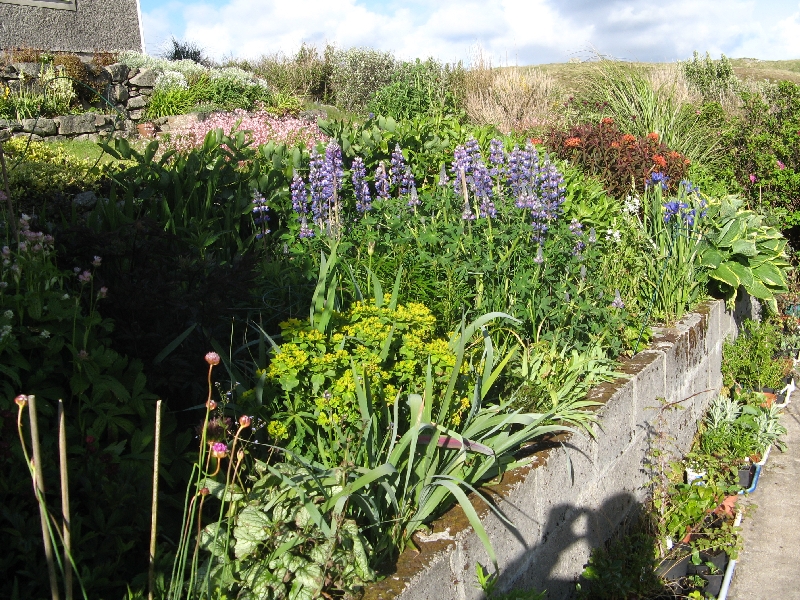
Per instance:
(392,312)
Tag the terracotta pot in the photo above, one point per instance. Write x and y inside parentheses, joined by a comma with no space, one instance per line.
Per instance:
(146,130)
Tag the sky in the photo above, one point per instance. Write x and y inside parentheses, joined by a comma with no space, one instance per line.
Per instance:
(508,32)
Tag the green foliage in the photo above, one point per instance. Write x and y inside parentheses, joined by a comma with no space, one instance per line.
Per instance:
(41,174)
(184,50)
(713,79)
(750,362)
(765,146)
(488,582)
(55,345)
(625,569)
(420,88)
(741,250)
(624,163)
(50,95)
(357,74)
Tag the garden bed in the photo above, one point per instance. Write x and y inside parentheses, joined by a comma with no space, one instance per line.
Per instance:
(589,487)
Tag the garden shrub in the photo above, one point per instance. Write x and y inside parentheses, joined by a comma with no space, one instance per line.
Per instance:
(624,163)
(750,361)
(714,80)
(764,157)
(42,176)
(313,371)
(184,50)
(48,96)
(357,74)
(420,88)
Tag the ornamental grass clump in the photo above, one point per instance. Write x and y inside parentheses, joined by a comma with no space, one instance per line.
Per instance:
(623,162)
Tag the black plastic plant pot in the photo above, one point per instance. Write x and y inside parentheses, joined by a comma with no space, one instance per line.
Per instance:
(673,569)
(746,476)
(714,584)
(719,560)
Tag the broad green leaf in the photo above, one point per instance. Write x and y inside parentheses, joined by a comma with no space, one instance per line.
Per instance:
(744,247)
(770,275)
(724,274)
(759,290)
(743,273)
(252,528)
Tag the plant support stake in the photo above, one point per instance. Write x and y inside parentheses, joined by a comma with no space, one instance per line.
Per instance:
(39,491)
(62,463)
(152,566)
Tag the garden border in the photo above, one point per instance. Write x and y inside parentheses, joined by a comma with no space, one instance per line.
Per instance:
(591,487)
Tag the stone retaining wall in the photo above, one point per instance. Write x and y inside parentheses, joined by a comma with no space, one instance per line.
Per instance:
(579,490)
(128,90)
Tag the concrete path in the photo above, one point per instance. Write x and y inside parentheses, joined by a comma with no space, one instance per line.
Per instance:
(770,564)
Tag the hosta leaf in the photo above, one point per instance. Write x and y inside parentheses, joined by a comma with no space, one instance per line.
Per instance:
(731,232)
(773,245)
(744,247)
(759,290)
(724,274)
(770,275)
(745,274)
(711,257)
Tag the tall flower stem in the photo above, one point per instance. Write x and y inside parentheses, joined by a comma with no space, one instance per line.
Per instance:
(154,505)
(12,218)
(65,516)
(39,490)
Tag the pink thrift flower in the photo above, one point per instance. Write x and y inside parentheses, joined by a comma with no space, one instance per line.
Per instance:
(103,292)
(219,450)
(781,166)
(85,277)
(96,261)
(752,178)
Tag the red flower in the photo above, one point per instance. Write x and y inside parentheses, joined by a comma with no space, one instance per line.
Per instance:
(572,142)
(660,161)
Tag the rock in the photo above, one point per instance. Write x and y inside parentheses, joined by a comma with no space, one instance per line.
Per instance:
(103,120)
(136,114)
(8,72)
(145,79)
(12,125)
(5,134)
(56,138)
(28,69)
(118,93)
(85,200)
(133,73)
(137,102)
(146,92)
(40,126)
(77,124)
(119,72)
(32,136)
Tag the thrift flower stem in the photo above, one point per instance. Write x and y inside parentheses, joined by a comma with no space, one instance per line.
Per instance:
(65,516)
(154,505)
(39,489)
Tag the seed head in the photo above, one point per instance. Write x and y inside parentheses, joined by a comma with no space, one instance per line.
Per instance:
(212,358)
(211,404)
(219,450)
(204,491)
(21,400)
(244,421)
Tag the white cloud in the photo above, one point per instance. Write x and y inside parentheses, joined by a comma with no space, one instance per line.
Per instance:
(524,31)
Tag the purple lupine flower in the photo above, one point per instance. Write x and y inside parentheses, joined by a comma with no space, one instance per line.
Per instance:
(320,184)
(514,178)
(413,197)
(461,169)
(467,213)
(473,150)
(260,216)
(397,166)
(575,227)
(299,198)
(496,157)
(481,180)
(305,230)
(487,207)
(406,181)
(443,179)
(381,181)
(617,303)
(360,187)
(592,235)
(333,156)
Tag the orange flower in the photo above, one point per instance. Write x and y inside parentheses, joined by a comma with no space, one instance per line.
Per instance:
(659,160)
(607,121)
(652,136)
(615,144)
(572,142)
(674,155)
(536,141)
(628,138)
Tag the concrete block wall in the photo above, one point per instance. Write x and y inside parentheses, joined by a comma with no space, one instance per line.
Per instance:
(579,490)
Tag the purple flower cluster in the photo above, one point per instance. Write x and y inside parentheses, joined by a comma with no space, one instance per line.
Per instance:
(471,171)
(360,187)
(381,182)
(497,158)
(617,303)
(397,166)
(260,216)
(657,179)
(300,205)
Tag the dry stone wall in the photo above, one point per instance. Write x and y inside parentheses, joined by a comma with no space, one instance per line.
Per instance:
(127,92)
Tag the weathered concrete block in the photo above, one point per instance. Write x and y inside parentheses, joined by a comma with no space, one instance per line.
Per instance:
(118,93)
(136,114)
(28,69)
(76,124)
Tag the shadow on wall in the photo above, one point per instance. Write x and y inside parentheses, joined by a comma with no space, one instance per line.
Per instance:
(573,531)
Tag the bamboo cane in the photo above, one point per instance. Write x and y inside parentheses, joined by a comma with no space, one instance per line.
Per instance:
(39,489)
(154,507)
(66,524)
